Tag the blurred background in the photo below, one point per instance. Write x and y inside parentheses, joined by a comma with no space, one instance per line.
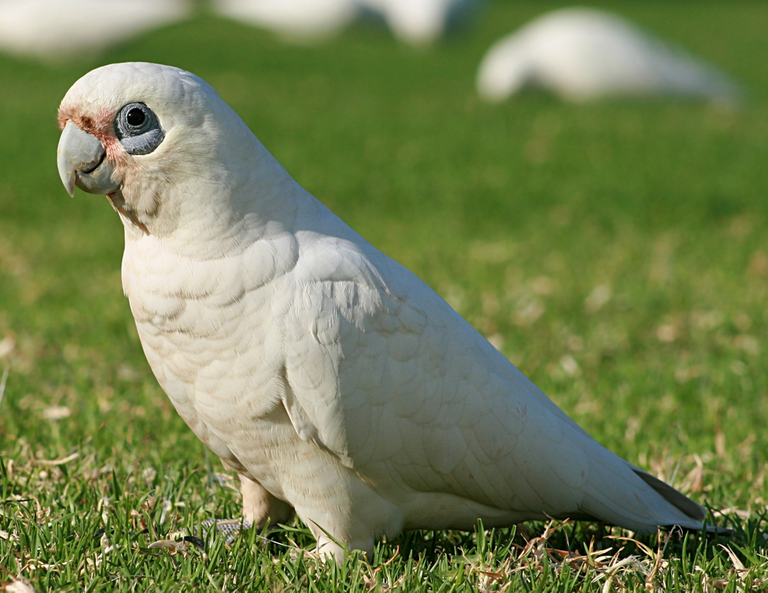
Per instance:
(609,239)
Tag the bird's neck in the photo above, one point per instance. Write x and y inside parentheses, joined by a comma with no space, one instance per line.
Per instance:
(221,212)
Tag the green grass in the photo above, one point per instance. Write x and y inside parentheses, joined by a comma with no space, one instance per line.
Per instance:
(616,252)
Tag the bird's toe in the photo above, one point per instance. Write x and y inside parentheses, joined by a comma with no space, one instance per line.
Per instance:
(226,528)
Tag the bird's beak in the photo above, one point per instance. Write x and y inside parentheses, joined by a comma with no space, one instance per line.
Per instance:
(82,162)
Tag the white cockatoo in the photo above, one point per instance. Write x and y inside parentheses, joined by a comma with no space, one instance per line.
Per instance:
(583,54)
(331,379)
(54,28)
(300,20)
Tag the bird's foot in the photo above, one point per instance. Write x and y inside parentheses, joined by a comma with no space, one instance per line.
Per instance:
(227,528)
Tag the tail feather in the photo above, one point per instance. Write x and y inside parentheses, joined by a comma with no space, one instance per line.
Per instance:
(695,511)
(621,494)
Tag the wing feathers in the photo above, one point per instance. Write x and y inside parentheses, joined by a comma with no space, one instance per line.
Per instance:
(394,382)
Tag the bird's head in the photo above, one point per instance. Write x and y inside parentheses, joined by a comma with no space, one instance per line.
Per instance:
(158,141)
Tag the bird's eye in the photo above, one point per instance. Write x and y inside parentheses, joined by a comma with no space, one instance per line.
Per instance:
(138,129)
(135,117)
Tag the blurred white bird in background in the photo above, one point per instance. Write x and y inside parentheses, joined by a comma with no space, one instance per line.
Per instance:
(421,22)
(296,20)
(51,29)
(55,29)
(582,54)
(417,22)
(330,378)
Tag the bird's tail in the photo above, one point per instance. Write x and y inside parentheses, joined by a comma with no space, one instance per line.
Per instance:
(679,500)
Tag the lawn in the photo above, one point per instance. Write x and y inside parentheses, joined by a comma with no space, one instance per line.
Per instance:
(616,252)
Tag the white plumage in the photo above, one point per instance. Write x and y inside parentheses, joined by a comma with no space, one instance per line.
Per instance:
(330,378)
(52,28)
(582,54)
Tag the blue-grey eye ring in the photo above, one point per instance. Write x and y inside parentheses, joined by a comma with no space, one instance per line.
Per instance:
(138,129)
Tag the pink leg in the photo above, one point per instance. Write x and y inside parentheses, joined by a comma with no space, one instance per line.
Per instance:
(260,507)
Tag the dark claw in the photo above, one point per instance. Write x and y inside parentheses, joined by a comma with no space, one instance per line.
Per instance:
(195,541)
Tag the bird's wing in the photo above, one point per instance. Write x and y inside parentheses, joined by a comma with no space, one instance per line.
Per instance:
(336,294)
(382,373)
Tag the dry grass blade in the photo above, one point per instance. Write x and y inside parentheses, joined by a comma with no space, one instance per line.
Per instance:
(55,462)
(173,546)
(742,572)
(19,587)
(3,383)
